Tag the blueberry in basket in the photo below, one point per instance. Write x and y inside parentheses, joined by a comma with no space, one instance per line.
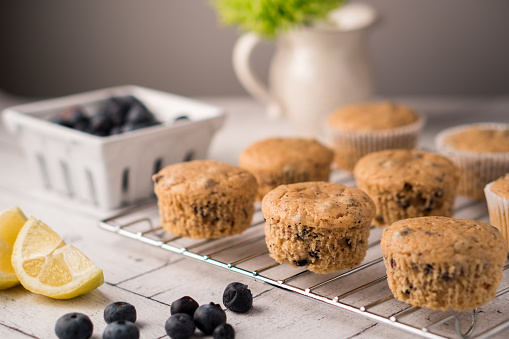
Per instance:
(114,115)
(180,119)
(237,297)
(74,326)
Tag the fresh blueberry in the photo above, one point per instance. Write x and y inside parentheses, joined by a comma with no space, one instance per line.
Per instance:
(180,326)
(114,115)
(237,297)
(81,127)
(130,126)
(124,102)
(116,130)
(208,317)
(181,118)
(224,331)
(78,117)
(74,326)
(115,111)
(100,124)
(119,310)
(138,113)
(121,330)
(185,305)
(73,117)
(61,121)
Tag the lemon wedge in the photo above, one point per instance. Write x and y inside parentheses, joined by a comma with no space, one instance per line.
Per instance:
(11,222)
(46,265)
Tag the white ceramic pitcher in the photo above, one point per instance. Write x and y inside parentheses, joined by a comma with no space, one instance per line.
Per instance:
(314,70)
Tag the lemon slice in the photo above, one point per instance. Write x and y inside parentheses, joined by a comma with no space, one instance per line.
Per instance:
(46,265)
(11,222)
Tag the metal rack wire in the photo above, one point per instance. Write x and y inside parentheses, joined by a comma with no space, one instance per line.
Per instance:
(362,290)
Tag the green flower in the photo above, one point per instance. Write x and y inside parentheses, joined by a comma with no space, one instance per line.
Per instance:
(269,18)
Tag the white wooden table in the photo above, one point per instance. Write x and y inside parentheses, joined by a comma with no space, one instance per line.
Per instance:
(151,278)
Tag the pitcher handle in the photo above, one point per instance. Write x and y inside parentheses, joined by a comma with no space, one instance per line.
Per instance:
(242,66)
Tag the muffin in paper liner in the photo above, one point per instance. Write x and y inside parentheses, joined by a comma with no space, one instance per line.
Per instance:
(350,145)
(498,208)
(477,169)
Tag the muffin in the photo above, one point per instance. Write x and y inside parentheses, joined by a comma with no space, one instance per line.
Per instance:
(279,161)
(481,152)
(359,129)
(320,225)
(497,196)
(443,263)
(407,183)
(205,199)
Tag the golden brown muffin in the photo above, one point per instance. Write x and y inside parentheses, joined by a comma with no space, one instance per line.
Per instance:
(372,116)
(320,225)
(407,183)
(475,139)
(278,161)
(501,187)
(481,152)
(205,198)
(359,129)
(497,197)
(443,263)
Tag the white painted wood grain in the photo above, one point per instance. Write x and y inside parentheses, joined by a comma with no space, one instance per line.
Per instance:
(36,315)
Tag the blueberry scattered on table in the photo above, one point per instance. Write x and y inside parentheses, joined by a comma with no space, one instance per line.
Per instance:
(180,326)
(224,331)
(237,297)
(121,330)
(208,317)
(119,310)
(74,326)
(185,305)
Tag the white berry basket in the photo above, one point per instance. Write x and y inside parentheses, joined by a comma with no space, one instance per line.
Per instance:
(114,171)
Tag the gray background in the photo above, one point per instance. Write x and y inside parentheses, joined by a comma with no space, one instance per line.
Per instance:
(56,47)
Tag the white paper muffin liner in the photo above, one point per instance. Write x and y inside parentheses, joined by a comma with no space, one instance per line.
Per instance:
(498,208)
(349,146)
(477,169)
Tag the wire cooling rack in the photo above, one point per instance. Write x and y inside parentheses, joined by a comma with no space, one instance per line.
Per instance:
(363,290)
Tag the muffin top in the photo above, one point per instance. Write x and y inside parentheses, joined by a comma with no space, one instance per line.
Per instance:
(443,239)
(372,116)
(319,204)
(285,154)
(476,139)
(397,169)
(199,177)
(501,187)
